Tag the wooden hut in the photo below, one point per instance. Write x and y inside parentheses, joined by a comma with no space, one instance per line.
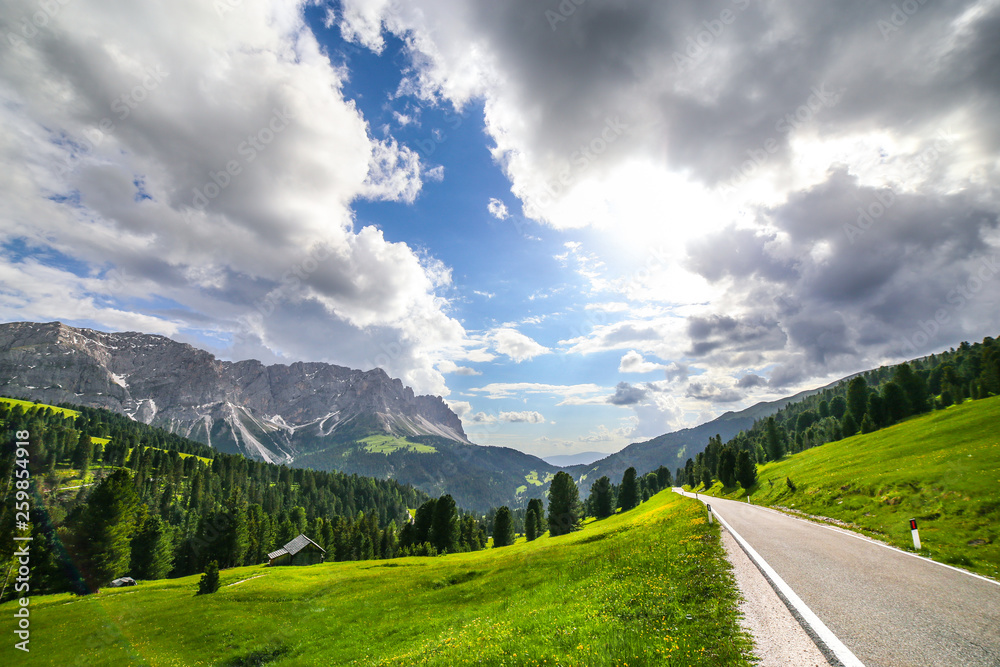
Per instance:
(300,551)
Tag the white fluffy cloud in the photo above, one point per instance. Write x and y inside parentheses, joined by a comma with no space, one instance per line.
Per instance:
(208,160)
(522,417)
(517,417)
(448,366)
(498,209)
(500,390)
(632,362)
(702,166)
(516,345)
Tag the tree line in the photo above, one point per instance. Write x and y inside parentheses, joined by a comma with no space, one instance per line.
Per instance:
(862,404)
(152,504)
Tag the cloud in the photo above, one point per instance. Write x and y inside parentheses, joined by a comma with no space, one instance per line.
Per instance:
(751,380)
(626,394)
(604,434)
(608,307)
(460,408)
(449,366)
(500,390)
(870,265)
(516,345)
(634,99)
(760,171)
(212,160)
(676,371)
(706,391)
(498,209)
(527,417)
(632,362)
(482,418)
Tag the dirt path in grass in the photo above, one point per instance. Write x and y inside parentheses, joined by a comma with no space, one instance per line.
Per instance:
(245,580)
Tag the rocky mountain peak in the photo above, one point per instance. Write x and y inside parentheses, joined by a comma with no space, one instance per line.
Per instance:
(241,406)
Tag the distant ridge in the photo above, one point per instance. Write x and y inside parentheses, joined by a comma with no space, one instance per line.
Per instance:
(260,411)
(566,460)
(673,449)
(310,415)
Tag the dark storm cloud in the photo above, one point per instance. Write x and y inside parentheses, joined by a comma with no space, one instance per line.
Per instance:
(873,268)
(751,380)
(715,332)
(703,93)
(710,392)
(739,253)
(627,394)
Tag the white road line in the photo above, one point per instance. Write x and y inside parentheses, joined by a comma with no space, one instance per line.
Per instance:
(827,641)
(855,535)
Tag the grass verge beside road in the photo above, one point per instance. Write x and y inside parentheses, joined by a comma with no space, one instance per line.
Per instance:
(942,469)
(647,587)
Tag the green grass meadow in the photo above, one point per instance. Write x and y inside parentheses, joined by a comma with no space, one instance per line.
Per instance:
(647,587)
(28,405)
(387,444)
(942,469)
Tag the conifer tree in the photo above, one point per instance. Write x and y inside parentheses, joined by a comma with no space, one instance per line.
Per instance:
(209,582)
(602,500)
(83,453)
(503,528)
(914,387)
(235,537)
(628,494)
(444,525)
(838,406)
(539,515)
(727,466)
(530,524)
(423,520)
(102,531)
(775,449)
(857,398)
(849,426)
(152,550)
(565,509)
(746,470)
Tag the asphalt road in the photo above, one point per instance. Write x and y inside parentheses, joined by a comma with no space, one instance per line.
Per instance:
(890,608)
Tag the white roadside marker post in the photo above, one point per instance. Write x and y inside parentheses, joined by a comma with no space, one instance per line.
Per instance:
(709,513)
(915,533)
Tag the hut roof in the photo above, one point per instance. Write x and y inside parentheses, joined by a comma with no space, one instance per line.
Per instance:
(293,547)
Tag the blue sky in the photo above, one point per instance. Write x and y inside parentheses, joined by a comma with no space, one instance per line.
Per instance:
(582,225)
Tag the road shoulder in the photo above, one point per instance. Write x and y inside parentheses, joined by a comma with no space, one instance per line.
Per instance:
(779,640)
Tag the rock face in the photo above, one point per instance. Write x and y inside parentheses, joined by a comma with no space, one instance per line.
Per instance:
(272,413)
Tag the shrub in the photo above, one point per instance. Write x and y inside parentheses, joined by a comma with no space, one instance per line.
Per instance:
(210,579)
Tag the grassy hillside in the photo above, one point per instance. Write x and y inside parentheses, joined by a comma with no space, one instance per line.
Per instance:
(942,469)
(477,477)
(648,587)
(673,449)
(386,444)
(66,412)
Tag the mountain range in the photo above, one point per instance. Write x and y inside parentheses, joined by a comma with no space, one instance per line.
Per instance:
(314,414)
(673,449)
